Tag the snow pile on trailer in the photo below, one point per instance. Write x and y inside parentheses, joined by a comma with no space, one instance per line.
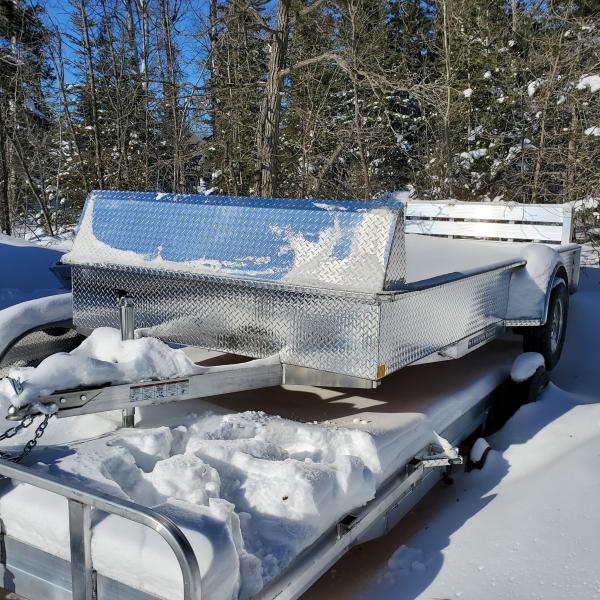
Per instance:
(102,358)
(529,286)
(250,491)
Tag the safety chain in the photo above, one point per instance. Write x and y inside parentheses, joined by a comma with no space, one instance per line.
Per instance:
(31,444)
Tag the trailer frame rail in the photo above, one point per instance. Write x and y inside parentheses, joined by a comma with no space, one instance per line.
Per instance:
(80,502)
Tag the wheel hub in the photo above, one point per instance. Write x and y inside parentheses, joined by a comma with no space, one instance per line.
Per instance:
(557,325)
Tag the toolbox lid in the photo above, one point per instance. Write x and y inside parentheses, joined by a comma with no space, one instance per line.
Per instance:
(355,245)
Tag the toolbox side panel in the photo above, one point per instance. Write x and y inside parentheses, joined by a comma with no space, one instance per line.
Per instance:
(420,323)
(335,332)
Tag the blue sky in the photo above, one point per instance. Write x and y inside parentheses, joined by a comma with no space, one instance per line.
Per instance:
(59,14)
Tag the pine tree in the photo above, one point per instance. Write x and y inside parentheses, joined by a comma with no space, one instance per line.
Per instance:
(25,115)
(239,65)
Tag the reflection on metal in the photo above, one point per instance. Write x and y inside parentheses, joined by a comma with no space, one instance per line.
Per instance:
(325,243)
(328,330)
(294,375)
(191,265)
(81,500)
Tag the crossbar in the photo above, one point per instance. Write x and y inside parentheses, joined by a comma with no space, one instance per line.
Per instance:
(80,502)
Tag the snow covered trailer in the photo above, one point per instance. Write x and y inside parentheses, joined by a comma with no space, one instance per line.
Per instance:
(345,292)
(342,295)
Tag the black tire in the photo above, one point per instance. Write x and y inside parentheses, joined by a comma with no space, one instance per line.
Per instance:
(549,339)
(510,396)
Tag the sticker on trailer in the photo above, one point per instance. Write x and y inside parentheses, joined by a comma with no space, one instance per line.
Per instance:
(484,336)
(152,392)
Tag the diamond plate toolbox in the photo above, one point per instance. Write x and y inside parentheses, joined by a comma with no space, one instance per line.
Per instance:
(319,282)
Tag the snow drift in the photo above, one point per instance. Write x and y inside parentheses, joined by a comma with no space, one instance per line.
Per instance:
(102,358)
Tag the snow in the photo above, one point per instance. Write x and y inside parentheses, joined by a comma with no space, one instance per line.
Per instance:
(467,93)
(17,320)
(478,449)
(533,86)
(251,490)
(313,262)
(428,256)
(61,241)
(25,271)
(516,531)
(528,286)
(209,473)
(467,158)
(101,358)
(525,366)
(206,467)
(365,262)
(595,131)
(591,82)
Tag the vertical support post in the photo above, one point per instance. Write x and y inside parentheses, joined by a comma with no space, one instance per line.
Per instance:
(83,581)
(567,225)
(127,325)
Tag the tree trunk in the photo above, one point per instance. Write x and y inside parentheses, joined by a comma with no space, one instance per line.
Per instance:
(172,96)
(212,64)
(358,116)
(267,139)
(94,99)
(447,112)
(142,9)
(24,164)
(59,68)
(5,224)
(514,4)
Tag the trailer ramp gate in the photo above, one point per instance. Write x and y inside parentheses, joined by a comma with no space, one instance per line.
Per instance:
(321,283)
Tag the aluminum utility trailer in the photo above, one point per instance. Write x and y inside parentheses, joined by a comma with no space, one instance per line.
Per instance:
(331,290)
(344,292)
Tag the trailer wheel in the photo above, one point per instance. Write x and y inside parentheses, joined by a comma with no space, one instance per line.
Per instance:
(548,339)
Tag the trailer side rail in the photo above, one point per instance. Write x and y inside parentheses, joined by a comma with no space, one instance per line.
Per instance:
(80,502)
(548,223)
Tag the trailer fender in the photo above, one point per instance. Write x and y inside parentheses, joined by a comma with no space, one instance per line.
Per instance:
(530,286)
(559,276)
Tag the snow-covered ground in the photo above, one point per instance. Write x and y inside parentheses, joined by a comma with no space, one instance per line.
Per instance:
(526,526)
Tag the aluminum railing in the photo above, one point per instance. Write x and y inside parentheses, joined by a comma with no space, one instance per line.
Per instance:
(80,503)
